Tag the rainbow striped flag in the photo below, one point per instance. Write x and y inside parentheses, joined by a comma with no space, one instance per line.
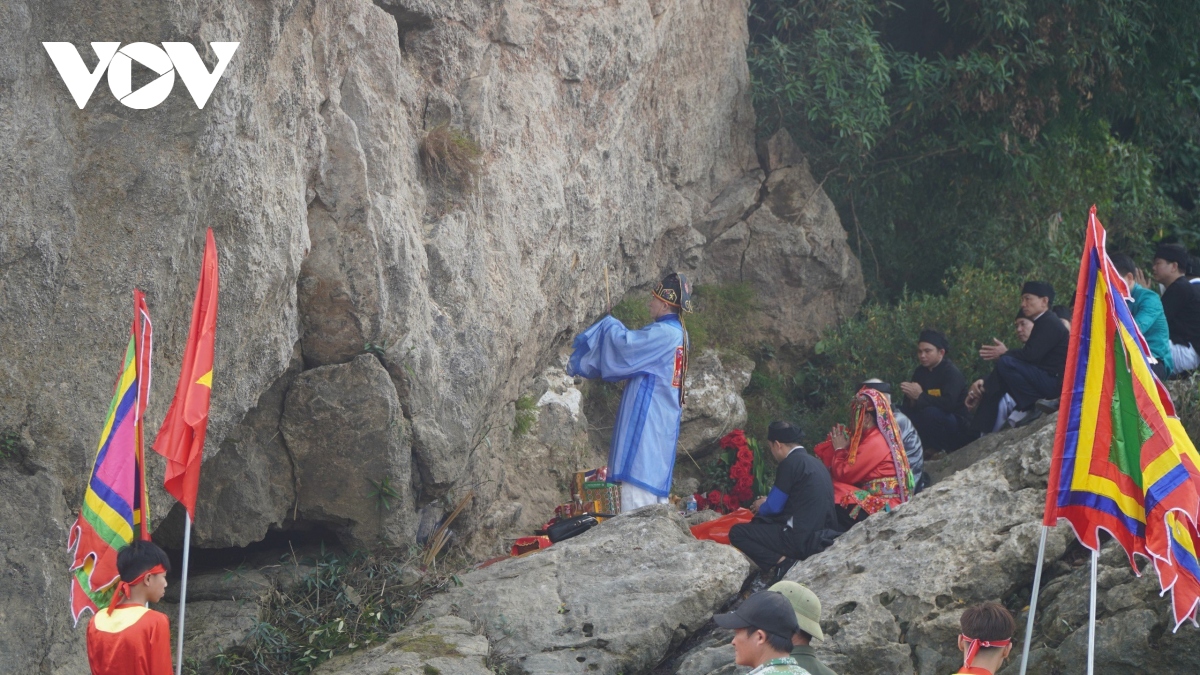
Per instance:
(115,508)
(1122,460)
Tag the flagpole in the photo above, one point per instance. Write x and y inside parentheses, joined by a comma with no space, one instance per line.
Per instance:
(1037,587)
(1091,659)
(187,546)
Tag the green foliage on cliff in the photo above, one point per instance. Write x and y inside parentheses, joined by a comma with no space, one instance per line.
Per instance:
(880,341)
(956,133)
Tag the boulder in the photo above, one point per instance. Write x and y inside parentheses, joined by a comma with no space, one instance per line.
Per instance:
(446,645)
(715,382)
(542,462)
(1133,626)
(352,453)
(790,219)
(614,600)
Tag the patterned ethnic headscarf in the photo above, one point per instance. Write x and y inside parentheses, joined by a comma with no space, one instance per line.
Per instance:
(885,420)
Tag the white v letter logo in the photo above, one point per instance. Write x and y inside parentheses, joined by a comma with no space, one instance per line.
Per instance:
(196,78)
(74,73)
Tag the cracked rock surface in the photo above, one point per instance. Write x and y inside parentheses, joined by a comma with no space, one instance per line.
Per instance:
(447,645)
(614,600)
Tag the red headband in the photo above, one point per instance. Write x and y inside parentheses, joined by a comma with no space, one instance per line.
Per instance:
(123,587)
(975,644)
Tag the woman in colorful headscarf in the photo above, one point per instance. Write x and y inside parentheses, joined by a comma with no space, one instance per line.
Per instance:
(869,468)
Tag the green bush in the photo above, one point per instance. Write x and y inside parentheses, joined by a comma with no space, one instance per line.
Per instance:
(722,312)
(525,415)
(880,341)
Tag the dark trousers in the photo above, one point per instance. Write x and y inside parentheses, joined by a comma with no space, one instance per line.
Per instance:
(765,543)
(940,430)
(1025,382)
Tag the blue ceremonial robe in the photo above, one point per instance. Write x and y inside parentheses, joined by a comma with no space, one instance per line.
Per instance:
(642,451)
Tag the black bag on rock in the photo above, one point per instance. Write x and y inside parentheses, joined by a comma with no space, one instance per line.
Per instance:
(573,527)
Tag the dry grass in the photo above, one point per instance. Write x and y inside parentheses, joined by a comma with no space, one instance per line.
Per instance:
(451,156)
(349,601)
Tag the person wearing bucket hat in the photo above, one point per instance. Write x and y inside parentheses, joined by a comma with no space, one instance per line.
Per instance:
(763,627)
(808,616)
(653,362)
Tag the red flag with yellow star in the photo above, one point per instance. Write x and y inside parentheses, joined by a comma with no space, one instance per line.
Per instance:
(181,436)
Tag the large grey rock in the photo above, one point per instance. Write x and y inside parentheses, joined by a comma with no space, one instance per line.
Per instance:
(345,430)
(715,383)
(613,600)
(790,219)
(1133,627)
(446,645)
(892,587)
(541,463)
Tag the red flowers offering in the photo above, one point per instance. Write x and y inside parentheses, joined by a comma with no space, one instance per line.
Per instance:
(742,471)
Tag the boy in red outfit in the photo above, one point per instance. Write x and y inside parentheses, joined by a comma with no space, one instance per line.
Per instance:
(129,638)
(986,638)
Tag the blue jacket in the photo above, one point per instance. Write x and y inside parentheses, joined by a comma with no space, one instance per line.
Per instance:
(642,451)
(1147,310)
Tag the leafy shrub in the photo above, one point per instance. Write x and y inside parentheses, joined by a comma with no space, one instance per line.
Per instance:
(880,341)
(722,312)
(526,415)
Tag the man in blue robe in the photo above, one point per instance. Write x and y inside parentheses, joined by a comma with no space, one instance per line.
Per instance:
(653,360)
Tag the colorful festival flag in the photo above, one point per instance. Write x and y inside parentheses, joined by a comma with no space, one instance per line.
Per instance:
(181,437)
(115,509)
(1122,460)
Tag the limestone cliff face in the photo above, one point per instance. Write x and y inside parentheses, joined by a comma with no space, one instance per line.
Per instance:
(609,132)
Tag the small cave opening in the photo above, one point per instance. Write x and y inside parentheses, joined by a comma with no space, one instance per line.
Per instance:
(303,539)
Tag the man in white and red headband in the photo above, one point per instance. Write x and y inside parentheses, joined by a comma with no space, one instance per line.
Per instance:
(986,638)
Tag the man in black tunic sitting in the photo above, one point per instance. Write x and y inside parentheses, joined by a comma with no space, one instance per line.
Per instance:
(1032,372)
(797,519)
(933,399)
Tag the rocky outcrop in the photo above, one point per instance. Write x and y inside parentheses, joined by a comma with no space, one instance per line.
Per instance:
(446,645)
(762,227)
(350,444)
(607,134)
(893,588)
(613,600)
(715,382)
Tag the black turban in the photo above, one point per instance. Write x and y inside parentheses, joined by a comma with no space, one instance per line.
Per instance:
(1173,253)
(1039,288)
(675,290)
(935,338)
(784,432)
